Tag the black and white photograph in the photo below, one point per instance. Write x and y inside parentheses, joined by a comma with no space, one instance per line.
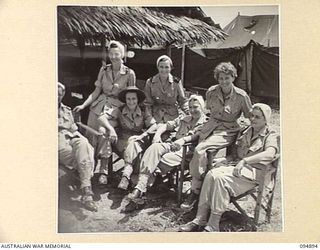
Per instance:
(169,119)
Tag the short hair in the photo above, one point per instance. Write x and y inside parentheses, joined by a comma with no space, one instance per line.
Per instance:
(225,67)
(164,58)
(116,44)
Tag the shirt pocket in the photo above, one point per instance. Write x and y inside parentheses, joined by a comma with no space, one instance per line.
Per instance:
(234,107)
(156,94)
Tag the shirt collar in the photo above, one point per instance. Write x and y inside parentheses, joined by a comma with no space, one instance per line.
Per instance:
(122,71)
(230,96)
(136,112)
(156,78)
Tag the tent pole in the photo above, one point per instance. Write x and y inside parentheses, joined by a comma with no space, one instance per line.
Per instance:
(169,50)
(125,53)
(183,63)
(81,45)
(249,68)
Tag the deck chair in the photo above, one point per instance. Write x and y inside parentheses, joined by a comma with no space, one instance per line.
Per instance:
(259,191)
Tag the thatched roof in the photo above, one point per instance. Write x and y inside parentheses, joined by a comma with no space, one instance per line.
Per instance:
(133,26)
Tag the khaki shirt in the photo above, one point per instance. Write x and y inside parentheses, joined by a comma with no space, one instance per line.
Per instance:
(131,123)
(184,127)
(67,129)
(111,86)
(165,100)
(246,145)
(224,112)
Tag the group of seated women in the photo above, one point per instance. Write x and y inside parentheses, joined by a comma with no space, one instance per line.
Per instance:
(158,121)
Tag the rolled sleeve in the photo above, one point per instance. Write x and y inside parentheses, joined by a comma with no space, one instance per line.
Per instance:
(98,82)
(272,141)
(148,102)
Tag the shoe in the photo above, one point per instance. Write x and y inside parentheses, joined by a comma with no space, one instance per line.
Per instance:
(87,200)
(209,229)
(133,206)
(103,179)
(124,183)
(90,205)
(190,202)
(136,193)
(190,227)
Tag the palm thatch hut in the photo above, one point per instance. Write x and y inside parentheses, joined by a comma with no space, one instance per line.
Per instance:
(133,26)
(79,27)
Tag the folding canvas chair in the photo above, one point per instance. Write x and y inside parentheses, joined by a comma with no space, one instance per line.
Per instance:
(182,172)
(259,191)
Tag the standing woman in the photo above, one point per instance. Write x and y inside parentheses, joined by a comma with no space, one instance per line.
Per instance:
(112,78)
(164,93)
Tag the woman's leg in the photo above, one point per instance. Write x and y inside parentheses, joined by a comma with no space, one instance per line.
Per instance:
(199,162)
(149,163)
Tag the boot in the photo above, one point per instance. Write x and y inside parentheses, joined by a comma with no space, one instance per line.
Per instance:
(190,202)
(87,199)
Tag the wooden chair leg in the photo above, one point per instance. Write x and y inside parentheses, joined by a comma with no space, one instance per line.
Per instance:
(239,208)
(269,207)
(210,158)
(259,199)
(180,175)
(110,166)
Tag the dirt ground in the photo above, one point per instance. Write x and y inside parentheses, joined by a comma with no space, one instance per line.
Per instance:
(160,212)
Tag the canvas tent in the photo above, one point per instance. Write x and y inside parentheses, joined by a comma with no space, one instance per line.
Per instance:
(246,47)
(252,46)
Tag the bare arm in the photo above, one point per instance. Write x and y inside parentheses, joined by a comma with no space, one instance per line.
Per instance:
(92,97)
(103,121)
(265,156)
(148,102)
(182,100)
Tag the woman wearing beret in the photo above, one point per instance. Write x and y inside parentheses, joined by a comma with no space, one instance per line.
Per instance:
(128,128)
(165,96)
(112,78)
(255,145)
